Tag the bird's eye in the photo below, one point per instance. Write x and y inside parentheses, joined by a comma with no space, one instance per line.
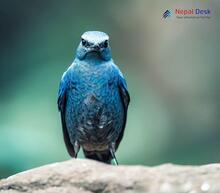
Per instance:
(105,44)
(84,42)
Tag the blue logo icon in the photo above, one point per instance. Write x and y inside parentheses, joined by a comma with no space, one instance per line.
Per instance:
(167,14)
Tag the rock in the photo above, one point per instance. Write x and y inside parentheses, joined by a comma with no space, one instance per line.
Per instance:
(87,176)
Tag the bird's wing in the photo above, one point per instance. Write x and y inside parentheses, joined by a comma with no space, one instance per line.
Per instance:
(125,98)
(61,102)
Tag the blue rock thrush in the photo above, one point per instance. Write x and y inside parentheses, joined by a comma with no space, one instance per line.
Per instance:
(93,100)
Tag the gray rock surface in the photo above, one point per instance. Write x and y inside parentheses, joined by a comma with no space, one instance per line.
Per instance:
(86,176)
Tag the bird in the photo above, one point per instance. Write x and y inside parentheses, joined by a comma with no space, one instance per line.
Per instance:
(93,100)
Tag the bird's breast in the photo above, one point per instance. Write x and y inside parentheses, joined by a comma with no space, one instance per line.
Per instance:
(95,110)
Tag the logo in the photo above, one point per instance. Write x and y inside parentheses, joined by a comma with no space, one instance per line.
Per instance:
(190,13)
(167,14)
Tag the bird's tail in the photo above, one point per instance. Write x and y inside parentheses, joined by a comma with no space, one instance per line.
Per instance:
(102,156)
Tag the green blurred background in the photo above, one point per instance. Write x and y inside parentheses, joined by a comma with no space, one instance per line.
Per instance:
(171,66)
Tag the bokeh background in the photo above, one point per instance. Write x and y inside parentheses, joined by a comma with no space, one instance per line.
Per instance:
(171,66)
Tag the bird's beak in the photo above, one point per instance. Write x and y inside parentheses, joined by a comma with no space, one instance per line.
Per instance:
(95,48)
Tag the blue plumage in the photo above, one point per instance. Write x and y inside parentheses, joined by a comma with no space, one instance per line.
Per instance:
(93,100)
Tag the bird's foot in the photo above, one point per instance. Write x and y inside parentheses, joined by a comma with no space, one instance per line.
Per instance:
(112,151)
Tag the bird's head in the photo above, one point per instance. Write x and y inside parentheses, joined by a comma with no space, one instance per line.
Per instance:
(94,44)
